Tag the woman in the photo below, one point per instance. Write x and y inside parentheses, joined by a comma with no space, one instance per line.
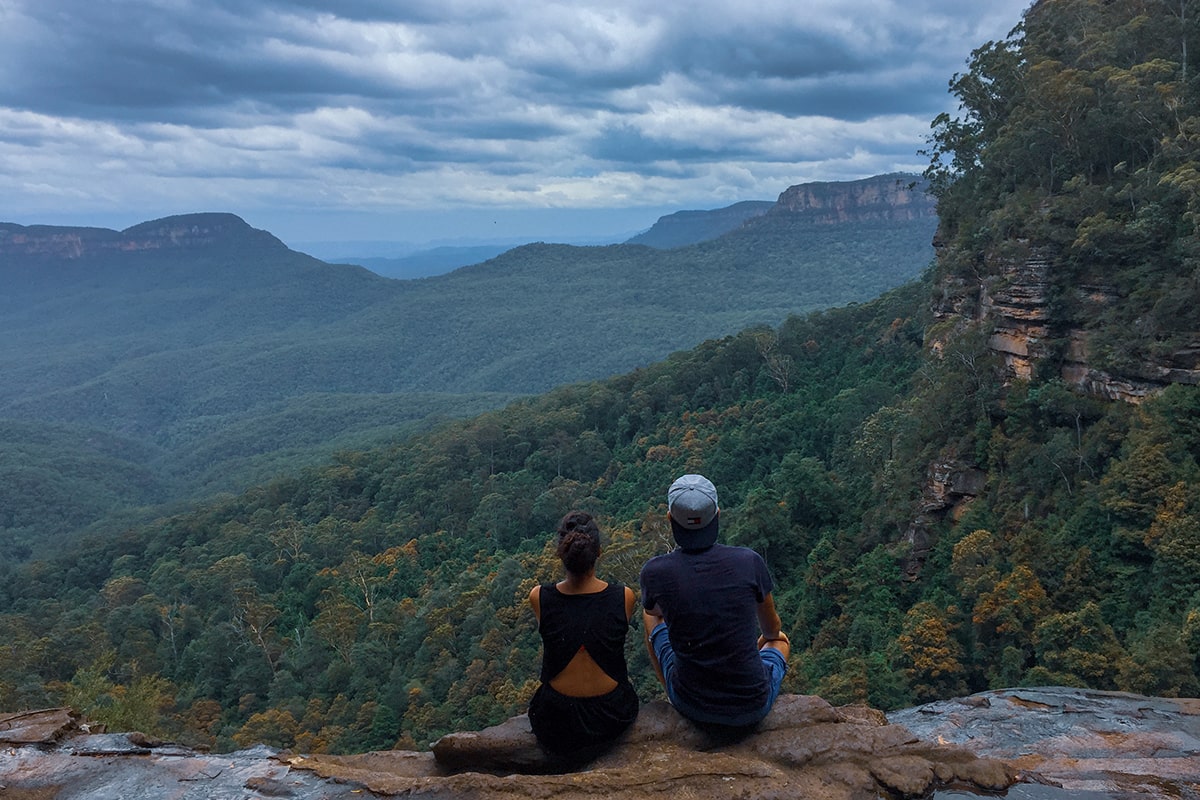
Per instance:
(585,700)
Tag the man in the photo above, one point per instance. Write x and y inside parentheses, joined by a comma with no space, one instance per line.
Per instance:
(704,607)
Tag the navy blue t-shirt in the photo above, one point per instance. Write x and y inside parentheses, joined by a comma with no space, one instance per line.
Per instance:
(709,600)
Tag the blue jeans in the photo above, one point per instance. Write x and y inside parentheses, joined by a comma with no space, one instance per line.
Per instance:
(773,661)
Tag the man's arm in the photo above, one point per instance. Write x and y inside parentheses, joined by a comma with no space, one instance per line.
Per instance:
(768,618)
(772,627)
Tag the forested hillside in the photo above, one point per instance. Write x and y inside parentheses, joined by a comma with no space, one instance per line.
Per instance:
(206,356)
(938,519)
(383,596)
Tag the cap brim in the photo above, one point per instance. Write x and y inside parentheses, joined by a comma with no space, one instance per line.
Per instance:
(698,538)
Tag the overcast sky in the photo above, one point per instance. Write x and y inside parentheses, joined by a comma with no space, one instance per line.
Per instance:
(428,119)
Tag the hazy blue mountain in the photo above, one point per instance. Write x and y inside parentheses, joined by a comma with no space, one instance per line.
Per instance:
(427,263)
(692,227)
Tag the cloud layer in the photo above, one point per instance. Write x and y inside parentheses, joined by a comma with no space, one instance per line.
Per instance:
(149,107)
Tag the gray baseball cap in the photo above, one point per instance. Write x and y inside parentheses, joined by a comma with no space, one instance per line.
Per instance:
(692,503)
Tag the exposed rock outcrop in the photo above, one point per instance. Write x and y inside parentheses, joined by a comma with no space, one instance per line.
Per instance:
(805,748)
(950,486)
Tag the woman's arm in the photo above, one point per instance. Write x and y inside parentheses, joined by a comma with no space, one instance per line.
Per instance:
(535,602)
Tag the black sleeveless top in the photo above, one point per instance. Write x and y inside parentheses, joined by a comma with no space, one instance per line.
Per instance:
(595,621)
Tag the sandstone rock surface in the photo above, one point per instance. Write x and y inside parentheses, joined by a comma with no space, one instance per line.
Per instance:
(805,748)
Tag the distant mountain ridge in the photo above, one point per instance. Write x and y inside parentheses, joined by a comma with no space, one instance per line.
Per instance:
(219,356)
(183,232)
(894,197)
(692,227)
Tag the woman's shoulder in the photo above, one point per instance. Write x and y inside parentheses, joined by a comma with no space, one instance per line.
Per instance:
(540,592)
(617,588)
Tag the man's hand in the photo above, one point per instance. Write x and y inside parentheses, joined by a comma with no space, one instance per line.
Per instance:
(772,633)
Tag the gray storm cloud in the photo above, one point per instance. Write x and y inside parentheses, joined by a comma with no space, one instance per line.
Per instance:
(163,106)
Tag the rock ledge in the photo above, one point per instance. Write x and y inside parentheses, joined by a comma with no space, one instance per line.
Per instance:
(1083,740)
(805,748)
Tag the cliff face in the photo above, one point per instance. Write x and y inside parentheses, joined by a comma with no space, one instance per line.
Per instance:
(950,485)
(1012,300)
(184,231)
(1034,320)
(883,197)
